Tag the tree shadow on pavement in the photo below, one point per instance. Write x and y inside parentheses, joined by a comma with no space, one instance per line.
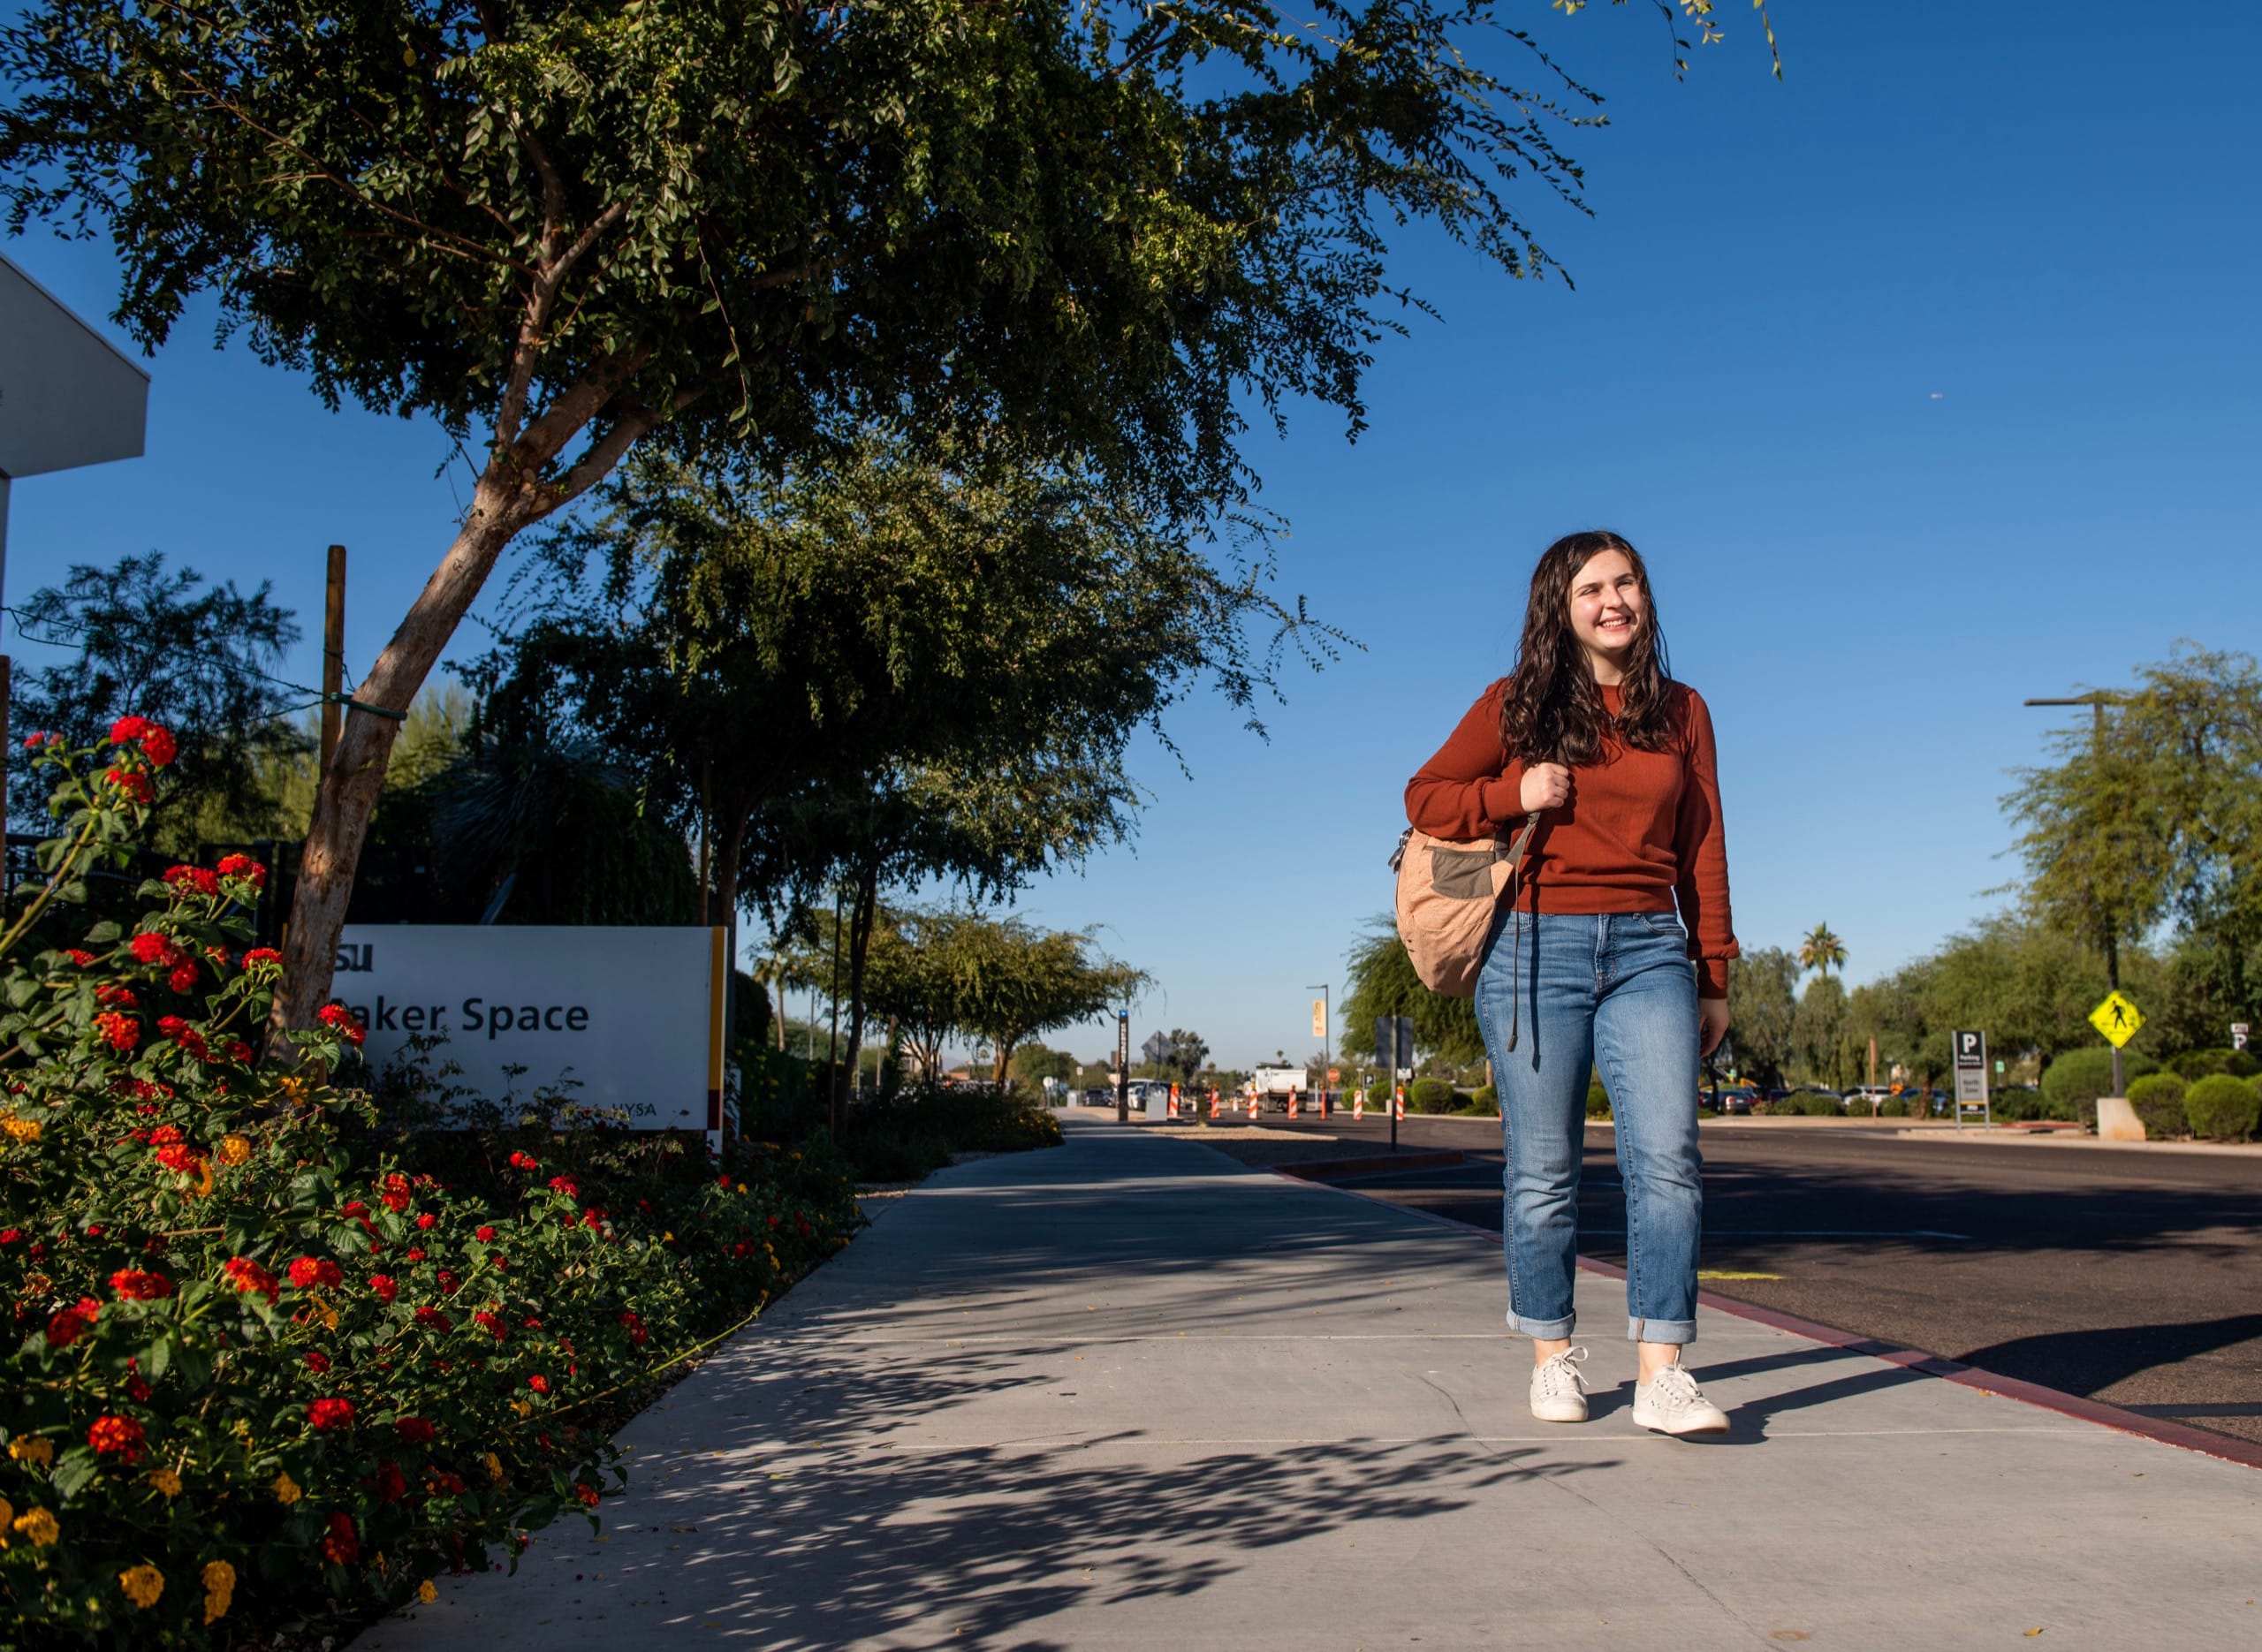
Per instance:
(802,1545)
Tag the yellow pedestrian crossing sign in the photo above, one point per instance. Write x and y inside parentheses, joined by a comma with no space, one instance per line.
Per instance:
(2118,1018)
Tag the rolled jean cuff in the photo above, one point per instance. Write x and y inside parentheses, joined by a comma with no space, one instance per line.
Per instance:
(1660,1330)
(1539,1329)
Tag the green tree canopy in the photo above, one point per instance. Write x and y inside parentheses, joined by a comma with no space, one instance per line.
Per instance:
(149,641)
(1382,983)
(567,228)
(1763,1003)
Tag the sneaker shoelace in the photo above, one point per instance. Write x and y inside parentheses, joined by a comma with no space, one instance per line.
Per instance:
(1561,1374)
(1675,1389)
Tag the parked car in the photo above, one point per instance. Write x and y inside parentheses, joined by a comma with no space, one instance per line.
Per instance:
(1737,1098)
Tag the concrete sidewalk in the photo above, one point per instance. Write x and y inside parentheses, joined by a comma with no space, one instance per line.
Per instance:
(1125,1394)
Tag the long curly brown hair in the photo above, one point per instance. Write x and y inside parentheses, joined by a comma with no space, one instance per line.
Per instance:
(1553,712)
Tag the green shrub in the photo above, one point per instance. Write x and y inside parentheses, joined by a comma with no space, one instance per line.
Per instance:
(274,1366)
(910,1135)
(2073,1081)
(2222,1108)
(1431,1095)
(1598,1101)
(2199,1064)
(1811,1104)
(1487,1099)
(2014,1104)
(2158,1101)
(1892,1107)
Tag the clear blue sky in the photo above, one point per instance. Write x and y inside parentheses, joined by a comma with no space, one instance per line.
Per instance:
(1921,379)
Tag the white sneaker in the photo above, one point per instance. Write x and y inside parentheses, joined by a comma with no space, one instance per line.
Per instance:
(1673,1404)
(1559,1392)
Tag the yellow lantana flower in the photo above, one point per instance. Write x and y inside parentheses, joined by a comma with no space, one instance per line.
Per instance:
(40,1526)
(19,1128)
(287,1489)
(142,1585)
(219,1589)
(426,1592)
(163,1481)
(7,1520)
(31,1449)
(494,1468)
(234,1148)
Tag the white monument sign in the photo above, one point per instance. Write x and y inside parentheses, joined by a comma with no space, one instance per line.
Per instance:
(630,1017)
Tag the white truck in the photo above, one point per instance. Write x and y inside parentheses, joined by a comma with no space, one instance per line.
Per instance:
(1271,1086)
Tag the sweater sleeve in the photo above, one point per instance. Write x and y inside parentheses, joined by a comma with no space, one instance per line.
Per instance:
(1472,784)
(1700,846)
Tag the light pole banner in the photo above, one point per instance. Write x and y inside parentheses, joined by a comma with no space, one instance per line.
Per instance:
(628,1019)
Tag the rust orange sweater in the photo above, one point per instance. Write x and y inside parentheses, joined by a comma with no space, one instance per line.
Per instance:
(1642,831)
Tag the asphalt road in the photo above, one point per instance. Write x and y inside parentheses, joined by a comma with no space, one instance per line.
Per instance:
(2134,1278)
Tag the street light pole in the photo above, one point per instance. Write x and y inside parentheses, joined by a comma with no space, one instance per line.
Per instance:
(2097,700)
(1326,1026)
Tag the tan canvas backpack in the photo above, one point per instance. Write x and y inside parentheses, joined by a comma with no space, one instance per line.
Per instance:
(1448,894)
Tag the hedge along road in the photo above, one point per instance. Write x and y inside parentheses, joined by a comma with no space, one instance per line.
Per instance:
(2131,1278)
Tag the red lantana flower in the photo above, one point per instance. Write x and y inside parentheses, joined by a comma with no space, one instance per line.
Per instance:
(414,1430)
(317,1362)
(313,1271)
(565,1184)
(538,1382)
(426,1220)
(384,1287)
(68,1325)
(132,782)
(192,880)
(242,866)
(340,1545)
(390,1485)
(121,997)
(487,1322)
(587,1493)
(82,958)
(119,1436)
(120,1032)
(341,1019)
(432,1319)
(326,1414)
(392,1193)
(524,1162)
(637,1334)
(484,1234)
(152,948)
(183,979)
(136,1285)
(186,1160)
(249,1276)
(262,958)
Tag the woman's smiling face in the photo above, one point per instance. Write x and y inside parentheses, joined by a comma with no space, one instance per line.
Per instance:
(1606,611)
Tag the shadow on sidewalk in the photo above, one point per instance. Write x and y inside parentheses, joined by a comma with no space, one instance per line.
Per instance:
(886,1537)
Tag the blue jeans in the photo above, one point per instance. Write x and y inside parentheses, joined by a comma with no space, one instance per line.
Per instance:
(1614,993)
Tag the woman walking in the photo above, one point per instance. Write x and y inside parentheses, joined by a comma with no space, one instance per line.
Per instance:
(1589,969)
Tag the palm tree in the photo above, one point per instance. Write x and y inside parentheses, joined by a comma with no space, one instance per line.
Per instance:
(1821,950)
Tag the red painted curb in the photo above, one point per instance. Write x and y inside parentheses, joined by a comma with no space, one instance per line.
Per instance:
(2245,1452)
(1320,1170)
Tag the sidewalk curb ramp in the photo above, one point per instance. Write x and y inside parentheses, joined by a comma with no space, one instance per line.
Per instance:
(2246,1453)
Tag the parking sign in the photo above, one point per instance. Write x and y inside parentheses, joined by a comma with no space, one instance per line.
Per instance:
(1969,1050)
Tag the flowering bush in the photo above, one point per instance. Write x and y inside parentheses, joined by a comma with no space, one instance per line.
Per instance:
(268,1369)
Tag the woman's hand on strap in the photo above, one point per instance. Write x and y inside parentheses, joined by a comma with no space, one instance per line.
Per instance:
(1546,787)
(1712,1025)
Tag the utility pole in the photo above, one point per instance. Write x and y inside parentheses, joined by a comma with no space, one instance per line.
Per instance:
(2097,700)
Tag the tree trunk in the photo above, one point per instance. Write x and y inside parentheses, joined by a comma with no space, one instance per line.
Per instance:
(1007,1044)
(347,793)
(861,916)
